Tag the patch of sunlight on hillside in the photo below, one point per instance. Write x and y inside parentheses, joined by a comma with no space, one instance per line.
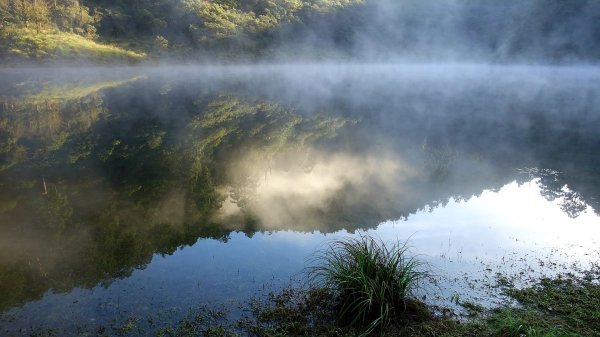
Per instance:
(29,43)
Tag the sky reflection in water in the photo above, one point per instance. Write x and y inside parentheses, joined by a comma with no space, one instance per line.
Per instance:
(465,244)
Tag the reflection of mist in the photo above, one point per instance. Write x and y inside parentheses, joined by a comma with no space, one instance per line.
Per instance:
(304,199)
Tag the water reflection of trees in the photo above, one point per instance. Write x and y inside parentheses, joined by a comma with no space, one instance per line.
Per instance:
(564,168)
(136,168)
(554,186)
(95,183)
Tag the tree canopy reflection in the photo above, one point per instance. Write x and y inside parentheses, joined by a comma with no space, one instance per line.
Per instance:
(97,175)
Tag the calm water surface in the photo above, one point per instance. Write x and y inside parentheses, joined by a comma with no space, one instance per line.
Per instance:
(145,192)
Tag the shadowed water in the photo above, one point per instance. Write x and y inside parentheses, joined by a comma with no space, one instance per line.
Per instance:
(145,192)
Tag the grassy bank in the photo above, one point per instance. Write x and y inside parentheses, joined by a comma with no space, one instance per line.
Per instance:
(31,45)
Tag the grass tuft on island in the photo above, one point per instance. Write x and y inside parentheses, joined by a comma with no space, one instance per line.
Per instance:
(371,281)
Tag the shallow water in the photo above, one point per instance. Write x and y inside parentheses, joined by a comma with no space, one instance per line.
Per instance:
(144,192)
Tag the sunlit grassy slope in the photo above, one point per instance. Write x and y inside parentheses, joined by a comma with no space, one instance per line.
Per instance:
(18,44)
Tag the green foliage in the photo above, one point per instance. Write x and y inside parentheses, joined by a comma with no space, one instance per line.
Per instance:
(372,280)
(247,27)
(71,16)
(327,5)
(513,322)
(227,27)
(161,43)
(222,21)
(65,15)
(54,29)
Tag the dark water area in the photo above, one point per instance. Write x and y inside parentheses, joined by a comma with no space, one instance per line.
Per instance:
(147,192)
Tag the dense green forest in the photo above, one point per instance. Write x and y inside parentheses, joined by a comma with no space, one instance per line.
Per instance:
(224,30)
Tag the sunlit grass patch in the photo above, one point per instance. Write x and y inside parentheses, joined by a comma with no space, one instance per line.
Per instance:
(371,281)
(30,44)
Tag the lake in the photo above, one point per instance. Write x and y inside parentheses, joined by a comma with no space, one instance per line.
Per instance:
(143,193)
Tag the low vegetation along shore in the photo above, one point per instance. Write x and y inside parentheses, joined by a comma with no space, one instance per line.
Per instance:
(363,287)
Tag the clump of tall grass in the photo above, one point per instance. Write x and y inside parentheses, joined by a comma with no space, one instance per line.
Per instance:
(372,280)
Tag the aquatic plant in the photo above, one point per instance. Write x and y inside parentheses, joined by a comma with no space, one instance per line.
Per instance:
(372,280)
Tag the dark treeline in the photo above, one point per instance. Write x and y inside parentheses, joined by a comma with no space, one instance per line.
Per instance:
(474,30)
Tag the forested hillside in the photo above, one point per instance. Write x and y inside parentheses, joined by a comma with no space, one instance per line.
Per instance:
(41,29)
(224,30)
(108,29)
